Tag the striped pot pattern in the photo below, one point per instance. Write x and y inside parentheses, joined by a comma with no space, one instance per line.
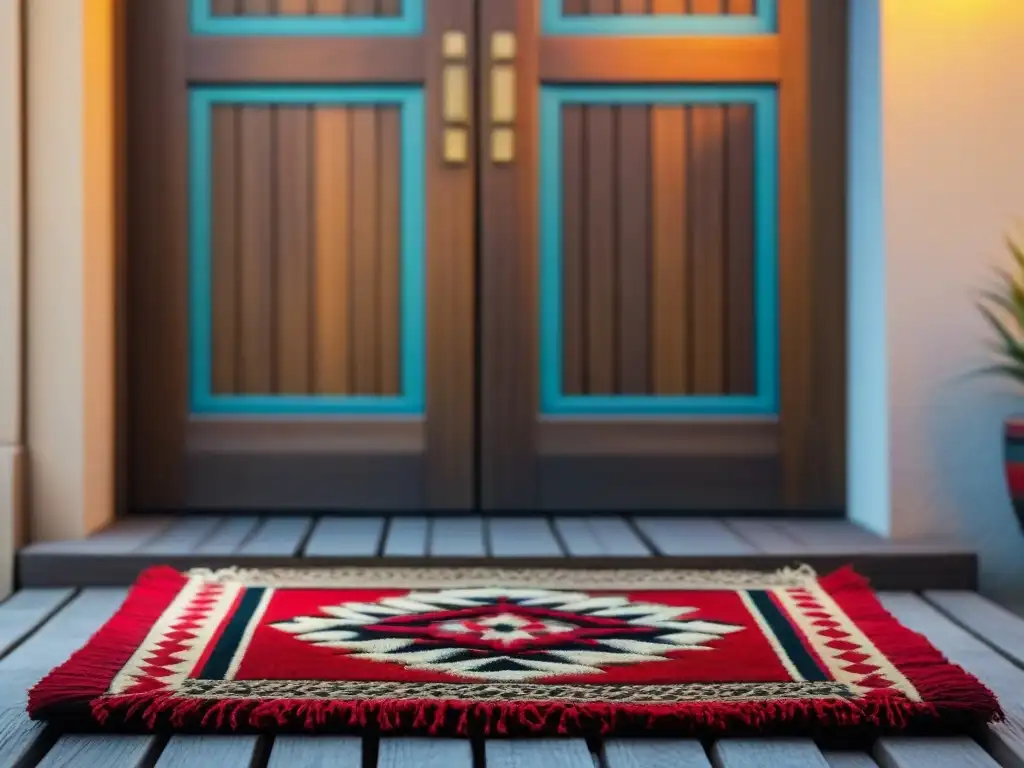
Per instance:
(1013,460)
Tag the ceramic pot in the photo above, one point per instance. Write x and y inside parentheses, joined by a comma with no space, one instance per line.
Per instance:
(1013,463)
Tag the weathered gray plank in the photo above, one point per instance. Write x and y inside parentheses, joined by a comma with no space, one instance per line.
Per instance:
(655,753)
(277,536)
(75,751)
(766,753)
(765,536)
(618,538)
(346,537)
(52,644)
(316,752)
(23,611)
(55,641)
(539,753)
(577,537)
(831,535)
(691,537)
(219,751)
(522,537)
(600,536)
(407,537)
(457,537)
(932,752)
(1005,740)
(123,536)
(229,536)
(22,741)
(844,759)
(424,753)
(991,622)
(182,537)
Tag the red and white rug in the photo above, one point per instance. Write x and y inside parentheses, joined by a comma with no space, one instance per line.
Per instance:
(494,651)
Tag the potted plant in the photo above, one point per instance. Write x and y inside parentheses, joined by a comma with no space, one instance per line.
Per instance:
(1003,308)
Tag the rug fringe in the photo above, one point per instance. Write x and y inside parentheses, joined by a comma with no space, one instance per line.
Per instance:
(942,684)
(464,718)
(90,670)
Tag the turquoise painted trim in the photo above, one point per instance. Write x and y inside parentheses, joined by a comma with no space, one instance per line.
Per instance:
(409,23)
(763,22)
(552,400)
(412,305)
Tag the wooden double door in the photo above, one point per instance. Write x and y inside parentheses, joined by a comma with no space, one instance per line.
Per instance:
(457,254)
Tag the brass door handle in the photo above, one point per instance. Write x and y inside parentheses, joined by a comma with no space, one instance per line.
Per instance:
(455,100)
(503,97)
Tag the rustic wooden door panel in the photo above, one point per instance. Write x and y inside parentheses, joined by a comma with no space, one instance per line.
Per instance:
(646,322)
(301,304)
(309,271)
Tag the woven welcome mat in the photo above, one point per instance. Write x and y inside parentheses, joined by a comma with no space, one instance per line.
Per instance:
(458,651)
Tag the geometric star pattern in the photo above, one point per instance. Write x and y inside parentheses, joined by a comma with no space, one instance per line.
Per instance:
(494,634)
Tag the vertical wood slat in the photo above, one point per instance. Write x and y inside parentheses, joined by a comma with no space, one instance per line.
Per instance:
(712,7)
(574,348)
(635,7)
(293,7)
(451,286)
(739,250)
(158,250)
(333,250)
(223,7)
(600,242)
(292,270)
(670,338)
(256,236)
(828,180)
(330,7)
(668,7)
(794,252)
(306,7)
(362,7)
(364,295)
(255,7)
(741,7)
(389,243)
(574,7)
(706,296)
(224,248)
(632,314)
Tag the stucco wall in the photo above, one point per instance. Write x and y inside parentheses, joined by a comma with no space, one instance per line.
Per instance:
(71,236)
(10,287)
(949,172)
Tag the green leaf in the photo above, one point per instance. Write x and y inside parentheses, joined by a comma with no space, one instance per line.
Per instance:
(997,325)
(1014,372)
(1012,304)
(1016,250)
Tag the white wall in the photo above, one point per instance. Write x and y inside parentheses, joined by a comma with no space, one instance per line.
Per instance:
(950,183)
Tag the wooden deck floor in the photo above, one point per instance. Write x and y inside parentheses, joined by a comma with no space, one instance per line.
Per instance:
(115,556)
(40,628)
